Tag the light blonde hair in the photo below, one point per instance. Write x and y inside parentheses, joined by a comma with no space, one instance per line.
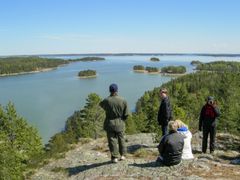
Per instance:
(164,90)
(172,126)
(180,123)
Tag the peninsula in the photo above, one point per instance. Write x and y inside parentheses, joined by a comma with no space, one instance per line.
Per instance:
(25,65)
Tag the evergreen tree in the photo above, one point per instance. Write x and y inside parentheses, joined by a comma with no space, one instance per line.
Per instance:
(19,143)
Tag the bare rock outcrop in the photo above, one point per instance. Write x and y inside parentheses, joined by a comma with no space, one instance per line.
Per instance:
(92,161)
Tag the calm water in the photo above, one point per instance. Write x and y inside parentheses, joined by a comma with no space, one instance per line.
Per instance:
(47,99)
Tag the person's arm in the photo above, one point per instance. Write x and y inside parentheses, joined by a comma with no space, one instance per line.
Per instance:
(125,111)
(161,145)
(159,116)
(102,104)
(217,111)
(165,108)
(168,109)
(201,119)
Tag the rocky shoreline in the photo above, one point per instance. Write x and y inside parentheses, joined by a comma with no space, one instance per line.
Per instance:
(30,72)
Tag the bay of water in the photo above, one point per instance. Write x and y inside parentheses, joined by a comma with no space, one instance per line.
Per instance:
(47,99)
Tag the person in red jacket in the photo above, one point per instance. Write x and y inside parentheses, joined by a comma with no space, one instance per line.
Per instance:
(207,123)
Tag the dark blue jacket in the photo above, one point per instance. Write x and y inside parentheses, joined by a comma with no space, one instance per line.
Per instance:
(164,112)
(171,147)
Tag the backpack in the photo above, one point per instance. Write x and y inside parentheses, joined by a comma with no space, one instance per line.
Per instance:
(209,112)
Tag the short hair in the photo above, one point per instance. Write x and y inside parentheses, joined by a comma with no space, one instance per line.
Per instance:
(164,90)
(172,126)
(180,123)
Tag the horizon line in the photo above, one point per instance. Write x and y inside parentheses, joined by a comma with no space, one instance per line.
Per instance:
(129,54)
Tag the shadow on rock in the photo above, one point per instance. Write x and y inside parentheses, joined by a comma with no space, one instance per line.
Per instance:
(146,165)
(78,169)
(135,147)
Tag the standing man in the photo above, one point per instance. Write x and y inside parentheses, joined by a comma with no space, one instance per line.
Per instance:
(116,110)
(207,122)
(165,111)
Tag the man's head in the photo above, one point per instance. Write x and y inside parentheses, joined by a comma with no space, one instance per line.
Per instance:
(210,100)
(163,92)
(113,88)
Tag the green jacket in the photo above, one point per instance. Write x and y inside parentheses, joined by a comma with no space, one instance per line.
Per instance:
(116,110)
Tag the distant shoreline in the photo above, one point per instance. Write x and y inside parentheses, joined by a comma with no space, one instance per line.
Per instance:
(159,72)
(146,72)
(29,72)
(137,54)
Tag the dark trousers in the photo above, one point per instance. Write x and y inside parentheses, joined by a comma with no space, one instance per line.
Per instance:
(116,143)
(164,130)
(212,131)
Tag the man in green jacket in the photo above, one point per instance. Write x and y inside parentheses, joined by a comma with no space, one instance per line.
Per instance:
(116,110)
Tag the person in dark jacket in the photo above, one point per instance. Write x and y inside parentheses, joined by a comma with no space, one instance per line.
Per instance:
(171,146)
(207,123)
(164,112)
(116,110)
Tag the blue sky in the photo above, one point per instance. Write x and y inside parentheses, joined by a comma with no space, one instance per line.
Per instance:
(111,26)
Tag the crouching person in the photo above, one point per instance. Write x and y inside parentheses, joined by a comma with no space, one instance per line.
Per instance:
(171,146)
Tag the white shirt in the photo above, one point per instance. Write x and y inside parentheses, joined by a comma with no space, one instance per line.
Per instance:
(187,149)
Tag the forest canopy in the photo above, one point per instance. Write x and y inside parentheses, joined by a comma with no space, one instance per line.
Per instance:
(19,143)
(12,65)
(87,59)
(87,73)
(138,68)
(188,94)
(174,69)
(220,66)
(154,59)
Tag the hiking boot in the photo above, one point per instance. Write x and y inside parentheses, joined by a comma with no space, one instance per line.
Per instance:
(114,160)
(122,158)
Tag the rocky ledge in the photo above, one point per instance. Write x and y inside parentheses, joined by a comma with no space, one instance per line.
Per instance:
(91,160)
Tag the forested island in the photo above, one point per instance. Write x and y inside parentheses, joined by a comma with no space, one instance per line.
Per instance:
(195,62)
(173,70)
(142,69)
(17,65)
(139,68)
(87,59)
(21,65)
(220,66)
(165,70)
(87,74)
(154,59)
(152,69)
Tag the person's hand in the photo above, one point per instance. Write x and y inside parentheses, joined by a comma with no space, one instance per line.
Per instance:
(214,104)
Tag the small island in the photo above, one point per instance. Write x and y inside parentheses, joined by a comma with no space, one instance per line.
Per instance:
(139,68)
(195,62)
(87,59)
(154,59)
(142,69)
(152,70)
(87,74)
(173,70)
